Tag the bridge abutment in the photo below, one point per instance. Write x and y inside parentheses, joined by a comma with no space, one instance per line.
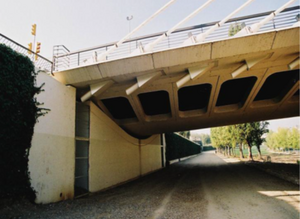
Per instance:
(113,156)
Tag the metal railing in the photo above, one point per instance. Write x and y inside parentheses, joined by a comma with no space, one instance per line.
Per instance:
(41,63)
(83,57)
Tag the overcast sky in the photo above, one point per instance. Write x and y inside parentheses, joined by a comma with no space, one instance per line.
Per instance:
(79,24)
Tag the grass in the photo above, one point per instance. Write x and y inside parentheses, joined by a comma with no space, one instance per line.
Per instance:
(263,149)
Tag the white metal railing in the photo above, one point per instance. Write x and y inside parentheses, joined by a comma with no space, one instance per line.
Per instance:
(41,63)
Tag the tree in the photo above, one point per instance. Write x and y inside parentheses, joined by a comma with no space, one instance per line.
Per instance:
(252,133)
(259,129)
(215,138)
(270,140)
(185,134)
(294,138)
(226,139)
(221,139)
(235,138)
(281,138)
(205,138)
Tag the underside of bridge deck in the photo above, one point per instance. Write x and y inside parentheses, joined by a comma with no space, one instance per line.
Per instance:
(236,80)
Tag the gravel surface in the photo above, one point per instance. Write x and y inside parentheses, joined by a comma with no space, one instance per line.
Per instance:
(289,172)
(202,187)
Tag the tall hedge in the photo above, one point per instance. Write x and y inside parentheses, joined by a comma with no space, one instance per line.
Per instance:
(18,114)
(178,147)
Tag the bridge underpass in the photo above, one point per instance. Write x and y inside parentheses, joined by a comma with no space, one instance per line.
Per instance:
(220,81)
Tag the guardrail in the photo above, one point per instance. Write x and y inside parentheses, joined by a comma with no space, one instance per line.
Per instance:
(82,57)
(41,63)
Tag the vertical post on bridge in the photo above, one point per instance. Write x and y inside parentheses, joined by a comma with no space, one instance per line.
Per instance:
(255,27)
(150,46)
(102,56)
(129,21)
(202,36)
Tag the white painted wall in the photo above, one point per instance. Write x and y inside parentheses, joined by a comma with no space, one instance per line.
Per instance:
(151,154)
(115,156)
(52,155)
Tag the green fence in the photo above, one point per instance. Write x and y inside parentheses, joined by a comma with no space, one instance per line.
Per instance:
(178,147)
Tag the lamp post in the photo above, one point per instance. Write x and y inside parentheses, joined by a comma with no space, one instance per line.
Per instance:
(129,21)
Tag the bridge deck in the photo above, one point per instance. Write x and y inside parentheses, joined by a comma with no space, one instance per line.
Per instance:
(268,90)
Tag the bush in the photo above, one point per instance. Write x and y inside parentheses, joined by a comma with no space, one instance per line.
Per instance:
(18,116)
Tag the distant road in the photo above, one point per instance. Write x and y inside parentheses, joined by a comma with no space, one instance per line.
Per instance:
(202,187)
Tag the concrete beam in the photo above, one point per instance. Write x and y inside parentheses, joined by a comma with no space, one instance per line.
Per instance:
(194,73)
(141,81)
(249,63)
(97,89)
(294,63)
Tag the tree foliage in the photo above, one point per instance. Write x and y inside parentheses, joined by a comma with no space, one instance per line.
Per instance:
(19,112)
(284,139)
(227,137)
(185,134)
(205,138)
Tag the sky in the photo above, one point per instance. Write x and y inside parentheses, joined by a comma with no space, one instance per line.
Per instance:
(79,24)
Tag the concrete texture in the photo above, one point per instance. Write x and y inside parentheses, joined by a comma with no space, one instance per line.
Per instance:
(52,155)
(115,156)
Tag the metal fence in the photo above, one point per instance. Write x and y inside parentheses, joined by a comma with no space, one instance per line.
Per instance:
(66,59)
(41,63)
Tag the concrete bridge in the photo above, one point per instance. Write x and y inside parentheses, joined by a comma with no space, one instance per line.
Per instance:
(219,80)
(231,71)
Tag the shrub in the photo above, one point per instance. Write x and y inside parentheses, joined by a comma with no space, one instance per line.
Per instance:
(19,112)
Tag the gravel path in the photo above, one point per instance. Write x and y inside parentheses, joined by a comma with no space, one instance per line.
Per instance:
(202,187)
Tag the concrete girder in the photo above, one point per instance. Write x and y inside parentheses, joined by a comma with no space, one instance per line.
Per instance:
(141,81)
(194,72)
(97,89)
(249,63)
(294,63)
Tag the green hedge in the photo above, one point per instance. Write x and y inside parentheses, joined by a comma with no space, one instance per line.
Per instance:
(18,116)
(208,148)
(178,147)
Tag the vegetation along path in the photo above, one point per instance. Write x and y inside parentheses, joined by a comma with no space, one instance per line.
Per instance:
(205,186)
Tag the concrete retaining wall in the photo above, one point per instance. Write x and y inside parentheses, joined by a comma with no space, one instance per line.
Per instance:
(114,156)
(52,155)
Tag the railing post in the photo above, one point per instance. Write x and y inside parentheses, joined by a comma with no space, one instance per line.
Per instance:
(78,58)
(53,66)
(274,26)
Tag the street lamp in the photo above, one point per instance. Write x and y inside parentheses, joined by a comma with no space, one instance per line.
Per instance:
(129,21)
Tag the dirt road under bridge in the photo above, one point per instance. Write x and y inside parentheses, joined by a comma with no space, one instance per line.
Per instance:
(202,187)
